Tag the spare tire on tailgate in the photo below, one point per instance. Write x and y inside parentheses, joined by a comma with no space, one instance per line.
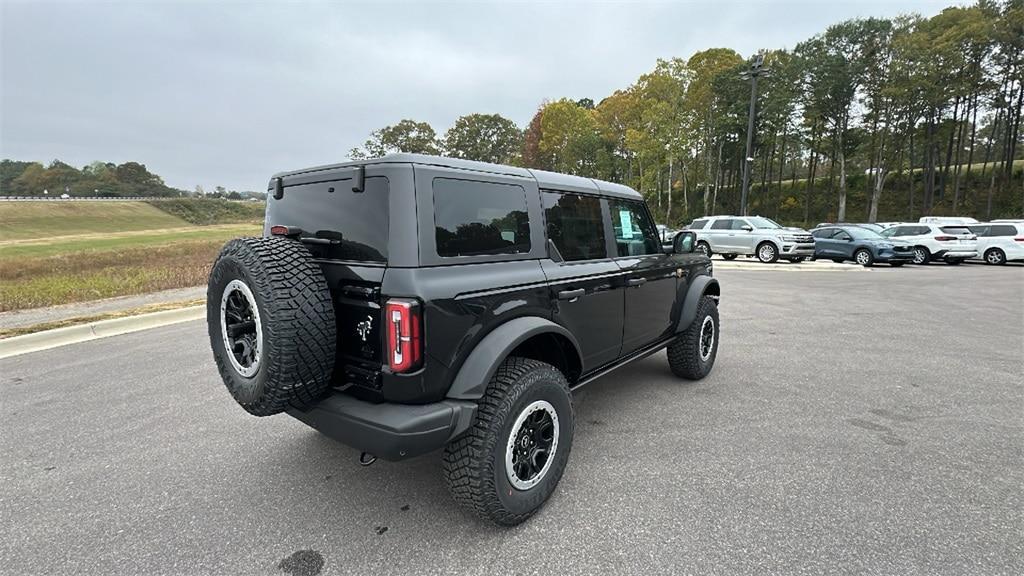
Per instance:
(271,324)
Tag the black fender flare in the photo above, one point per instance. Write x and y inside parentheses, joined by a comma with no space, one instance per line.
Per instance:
(481,364)
(700,286)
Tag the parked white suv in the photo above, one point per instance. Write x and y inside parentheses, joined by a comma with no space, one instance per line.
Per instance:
(953,243)
(1000,242)
(733,236)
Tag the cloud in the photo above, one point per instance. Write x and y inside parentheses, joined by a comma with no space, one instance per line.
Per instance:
(227,94)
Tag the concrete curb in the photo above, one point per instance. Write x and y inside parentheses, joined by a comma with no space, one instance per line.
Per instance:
(787,267)
(95,330)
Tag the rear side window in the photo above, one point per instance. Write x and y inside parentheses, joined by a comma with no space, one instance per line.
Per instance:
(575,225)
(698,224)
(634,232)
(474,218)
(725,224)
(355,222)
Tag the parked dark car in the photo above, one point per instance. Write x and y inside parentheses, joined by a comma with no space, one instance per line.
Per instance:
(412,303)
(840,243)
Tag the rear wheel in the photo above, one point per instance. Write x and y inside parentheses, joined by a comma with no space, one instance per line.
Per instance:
(838,260)
(864,257)
(510,461)
(692,354)
(921,255)
(729,256)
(767,253)
(896,264)
(954,261)
(995,256)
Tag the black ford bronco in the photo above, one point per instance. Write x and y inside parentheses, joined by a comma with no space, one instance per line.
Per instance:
(410,303)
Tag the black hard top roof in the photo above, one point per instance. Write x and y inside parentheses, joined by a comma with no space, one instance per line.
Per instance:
(553,180)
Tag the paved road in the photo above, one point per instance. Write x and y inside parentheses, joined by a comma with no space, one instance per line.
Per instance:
(855,423)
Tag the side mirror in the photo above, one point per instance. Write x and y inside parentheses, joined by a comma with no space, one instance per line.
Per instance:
(747,227)
(684,242)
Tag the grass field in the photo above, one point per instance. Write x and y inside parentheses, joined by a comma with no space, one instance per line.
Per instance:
(19,220)
(56,253)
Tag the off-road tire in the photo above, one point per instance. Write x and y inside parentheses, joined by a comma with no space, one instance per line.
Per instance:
(684,354)
(474,464)
(995,256)
(768,257)
(296,320)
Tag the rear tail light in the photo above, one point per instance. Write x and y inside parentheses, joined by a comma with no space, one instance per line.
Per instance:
(945,238)
(1019,239)
(404,323)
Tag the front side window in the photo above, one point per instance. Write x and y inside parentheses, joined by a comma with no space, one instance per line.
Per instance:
(634,232)
(575,225)
(739,224)
(474,218)
(824,233)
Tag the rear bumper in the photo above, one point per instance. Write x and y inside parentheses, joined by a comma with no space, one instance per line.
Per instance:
(956,254)
(389,431)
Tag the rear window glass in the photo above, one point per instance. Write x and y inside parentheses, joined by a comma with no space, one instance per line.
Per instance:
(474,218)
(575,225)
(353,225)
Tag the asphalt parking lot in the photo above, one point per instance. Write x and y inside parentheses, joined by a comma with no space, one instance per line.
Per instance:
(855,422)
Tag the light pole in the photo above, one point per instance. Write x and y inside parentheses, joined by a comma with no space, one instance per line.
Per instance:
(756,69)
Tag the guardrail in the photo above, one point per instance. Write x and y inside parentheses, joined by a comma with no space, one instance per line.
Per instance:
(106,198)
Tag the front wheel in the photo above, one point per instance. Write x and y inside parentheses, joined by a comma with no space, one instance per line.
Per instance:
(921,255)
(767,253)
(896,264)
(704,248)
(692,354)
(954,262)
(864,257)
(510,461)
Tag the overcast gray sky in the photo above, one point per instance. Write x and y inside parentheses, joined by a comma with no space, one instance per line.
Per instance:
(226,94)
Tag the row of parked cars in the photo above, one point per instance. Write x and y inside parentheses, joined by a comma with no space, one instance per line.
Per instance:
(932,238)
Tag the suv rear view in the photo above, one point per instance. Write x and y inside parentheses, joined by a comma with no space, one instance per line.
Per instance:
(412,303)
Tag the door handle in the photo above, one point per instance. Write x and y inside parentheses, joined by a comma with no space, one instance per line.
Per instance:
(634,282)
(571,294)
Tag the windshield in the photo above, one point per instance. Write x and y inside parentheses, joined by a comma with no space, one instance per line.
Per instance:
(758,222)
(862,233)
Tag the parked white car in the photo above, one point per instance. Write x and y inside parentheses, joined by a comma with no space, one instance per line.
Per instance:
(952,243)
(947,220)
(1000,242)
(733,236)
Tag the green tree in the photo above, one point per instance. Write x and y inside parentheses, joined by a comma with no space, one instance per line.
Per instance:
(484,137)
(406,136)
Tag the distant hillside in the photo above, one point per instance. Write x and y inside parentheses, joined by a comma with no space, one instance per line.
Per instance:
(22,220)
(204,212)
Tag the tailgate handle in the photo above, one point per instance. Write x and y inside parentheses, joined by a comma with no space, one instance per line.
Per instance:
(571,294)
(634,282)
